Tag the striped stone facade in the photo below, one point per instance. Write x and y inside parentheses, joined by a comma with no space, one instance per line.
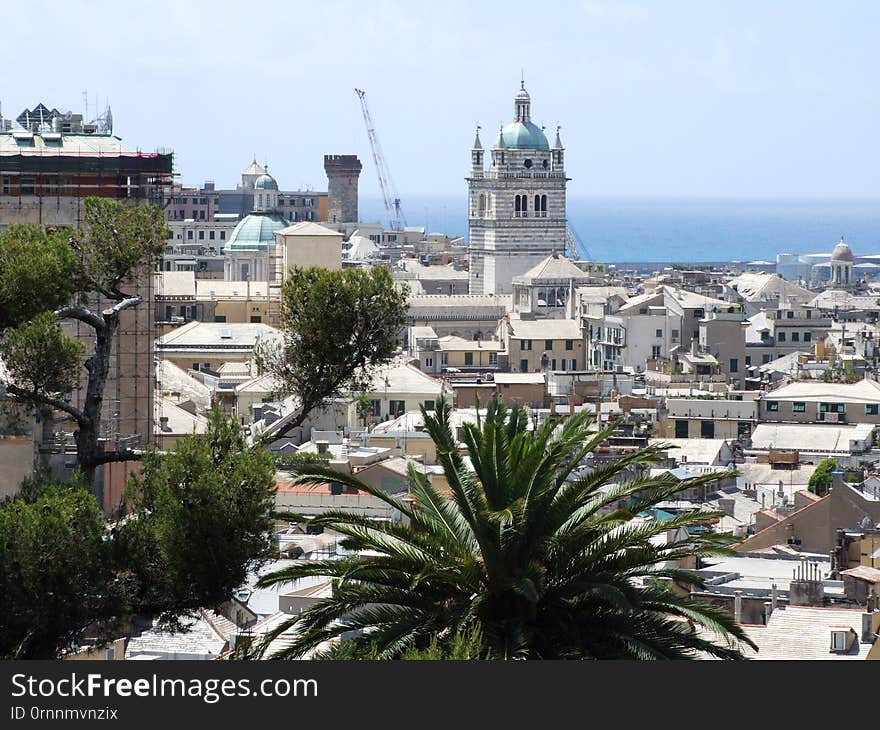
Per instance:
(516,211)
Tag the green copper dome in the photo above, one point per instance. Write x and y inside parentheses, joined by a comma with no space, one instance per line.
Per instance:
(265,182)
(524,136)
(255,232)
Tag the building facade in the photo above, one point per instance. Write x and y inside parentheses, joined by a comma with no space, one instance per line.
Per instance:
(516,205)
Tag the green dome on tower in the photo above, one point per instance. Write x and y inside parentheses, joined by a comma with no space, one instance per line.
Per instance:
(524,136)
(265,182)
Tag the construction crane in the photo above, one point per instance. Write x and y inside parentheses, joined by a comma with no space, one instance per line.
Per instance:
(576,247)
(389,193)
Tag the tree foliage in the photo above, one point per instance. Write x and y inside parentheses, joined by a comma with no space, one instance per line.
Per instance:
(200,522)
(337,325)
(821,479)
(203,519)
(548,562)
(54,568)
(50,275)
(37,272)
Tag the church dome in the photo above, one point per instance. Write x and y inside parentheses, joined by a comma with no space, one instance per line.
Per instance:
(524,136)
(842,252)
(255,232)
(265,182)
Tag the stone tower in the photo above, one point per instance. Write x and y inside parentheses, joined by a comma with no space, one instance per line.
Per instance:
(517,205)
(342,187)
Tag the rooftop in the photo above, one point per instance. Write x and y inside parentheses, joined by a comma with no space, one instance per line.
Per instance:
(864,391)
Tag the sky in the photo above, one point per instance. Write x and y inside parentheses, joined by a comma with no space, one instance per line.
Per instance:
(655,98)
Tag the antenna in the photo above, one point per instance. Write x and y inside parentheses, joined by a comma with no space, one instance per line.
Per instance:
(85,106)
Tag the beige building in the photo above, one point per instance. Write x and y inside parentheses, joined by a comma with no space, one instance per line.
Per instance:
(206,346)
(707,419)
(820,402)
(527,389)
(534,345)
(451,354)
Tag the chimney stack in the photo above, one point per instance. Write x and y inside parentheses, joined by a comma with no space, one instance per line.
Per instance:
(737,606)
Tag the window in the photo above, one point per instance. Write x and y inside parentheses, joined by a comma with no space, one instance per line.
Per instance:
(743,430)
(789,314)
(444,358)
(469,358)
(574,364)
(655,352)
(707,429)
(871,409)
(375,407)
(674,335)
(27,186)
(808,336)
(201,235)
(569,344)
(798,407)
(219,317)
(524,366)
(795,336)
(734,365)
(397,407)
(211,235)
(553,364)
(429,405)
(809,314)
(681,429)
(548,344)
(765,359)
(748,359)
(222,235)
(658,333)
(781,337)
(838,640)
(525,344)
(429,362)
(772,405)
(256,319)
(493,358)
(189,235)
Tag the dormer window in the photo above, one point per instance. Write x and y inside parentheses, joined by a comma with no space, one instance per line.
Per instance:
(842,638)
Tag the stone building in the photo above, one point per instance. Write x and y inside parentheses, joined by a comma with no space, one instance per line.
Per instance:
(342,187)
(517,205)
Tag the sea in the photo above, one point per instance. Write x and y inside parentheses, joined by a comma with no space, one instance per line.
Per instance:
(680,230)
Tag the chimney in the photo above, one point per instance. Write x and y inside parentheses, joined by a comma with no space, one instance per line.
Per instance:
(737,606)
(774,597)
(768,610)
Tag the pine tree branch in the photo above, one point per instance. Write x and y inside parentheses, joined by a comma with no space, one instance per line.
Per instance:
(47,400)
(83,315)
(123,305)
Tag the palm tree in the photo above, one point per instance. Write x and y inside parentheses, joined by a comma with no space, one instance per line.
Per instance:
(546,562)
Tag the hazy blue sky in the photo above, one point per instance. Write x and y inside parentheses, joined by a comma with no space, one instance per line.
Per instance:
(657,97)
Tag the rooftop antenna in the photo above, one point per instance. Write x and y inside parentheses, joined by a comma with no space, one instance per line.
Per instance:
(85,106)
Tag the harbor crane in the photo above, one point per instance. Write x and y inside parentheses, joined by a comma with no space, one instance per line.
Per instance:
(389,193)
(575,245)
